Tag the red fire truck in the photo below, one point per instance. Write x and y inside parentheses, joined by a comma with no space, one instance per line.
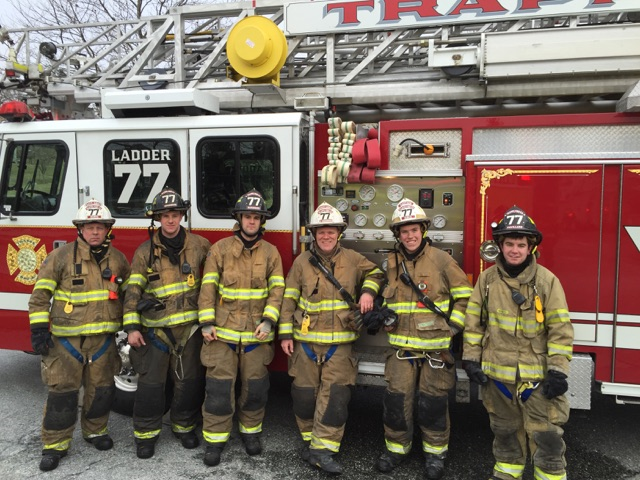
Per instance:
(465,107)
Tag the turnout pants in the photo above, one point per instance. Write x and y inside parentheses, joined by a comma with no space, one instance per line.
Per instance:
(64,374)
(321,393)
(433,385)
(513,422)
(224,362)
(155,365)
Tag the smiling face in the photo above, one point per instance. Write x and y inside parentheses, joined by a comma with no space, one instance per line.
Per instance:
(410,236)
(515,250)
(327,238)
(94,233)
(170,223)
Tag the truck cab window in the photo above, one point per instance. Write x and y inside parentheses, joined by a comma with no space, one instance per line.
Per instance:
(136,170)
(228,168)
(33,177)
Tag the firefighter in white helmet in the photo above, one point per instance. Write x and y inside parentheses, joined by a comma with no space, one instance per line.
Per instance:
(74,312)
(429,292)
(518,342)
(239,306)
(317,330)
(161,319)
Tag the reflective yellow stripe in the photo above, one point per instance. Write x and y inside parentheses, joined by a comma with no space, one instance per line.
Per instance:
(511,469)
(405,342)
(538,474)
(324,444)
(146,435)
(397,448)
(324,337)
(436,449)
(249,430)
(213,437)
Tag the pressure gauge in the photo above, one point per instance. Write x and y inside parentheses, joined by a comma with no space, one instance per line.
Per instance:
(342,205)
(360,220)
(439,221)
(379,220)
(367,193)
(395,193)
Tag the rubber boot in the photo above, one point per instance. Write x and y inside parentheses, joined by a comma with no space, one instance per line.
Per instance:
(145,448)
(389,460)
(103,442)
(252,443)
(51,459)
(304,453)
(323,459)
(434,465)
(212,455)
(189,440)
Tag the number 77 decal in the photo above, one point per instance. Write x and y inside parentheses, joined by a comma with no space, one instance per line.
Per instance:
(133,172)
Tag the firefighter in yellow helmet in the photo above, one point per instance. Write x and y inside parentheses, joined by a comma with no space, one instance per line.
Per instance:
(74,312)
(239,306)
(518,342)
(317,330)
(428,291)
(161,320)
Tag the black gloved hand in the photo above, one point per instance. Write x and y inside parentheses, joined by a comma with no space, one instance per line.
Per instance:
(475,373)
(379,317)
(41,341)
(555,384)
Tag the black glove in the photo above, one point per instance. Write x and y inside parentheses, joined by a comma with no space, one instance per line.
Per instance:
(475,373)
(41,341)
(378,318)
(146,304)
(555,384)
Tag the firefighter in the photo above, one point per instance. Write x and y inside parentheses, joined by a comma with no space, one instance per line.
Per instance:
(420,357)
(77,294)
(161,320)
(239,307)
(317,330)
(518,342)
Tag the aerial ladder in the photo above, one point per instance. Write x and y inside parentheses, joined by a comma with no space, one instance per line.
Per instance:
(362,58)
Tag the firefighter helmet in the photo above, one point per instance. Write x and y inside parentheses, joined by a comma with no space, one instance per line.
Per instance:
(408,212)
(166,201)
(516,223)
(250,202)
(93,212)
(326,216)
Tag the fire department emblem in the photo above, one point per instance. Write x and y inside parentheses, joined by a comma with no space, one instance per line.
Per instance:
(26,258)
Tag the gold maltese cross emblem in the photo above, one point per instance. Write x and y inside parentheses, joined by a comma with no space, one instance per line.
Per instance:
(26,259)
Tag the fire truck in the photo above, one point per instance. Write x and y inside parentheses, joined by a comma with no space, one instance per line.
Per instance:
(466,107)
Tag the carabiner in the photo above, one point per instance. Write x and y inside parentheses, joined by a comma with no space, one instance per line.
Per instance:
(438,362)
(180,373)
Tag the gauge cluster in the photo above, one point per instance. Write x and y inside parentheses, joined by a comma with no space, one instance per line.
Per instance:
(368,210)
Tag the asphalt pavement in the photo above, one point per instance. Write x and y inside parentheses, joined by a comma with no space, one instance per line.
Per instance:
(602,443)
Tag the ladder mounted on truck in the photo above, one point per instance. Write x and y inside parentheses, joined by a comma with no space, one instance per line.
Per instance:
(364,57)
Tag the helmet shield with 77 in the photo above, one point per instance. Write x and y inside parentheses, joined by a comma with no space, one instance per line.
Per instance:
(408,212)
(166,201)
(93,212)
(326,216)
(516,223)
